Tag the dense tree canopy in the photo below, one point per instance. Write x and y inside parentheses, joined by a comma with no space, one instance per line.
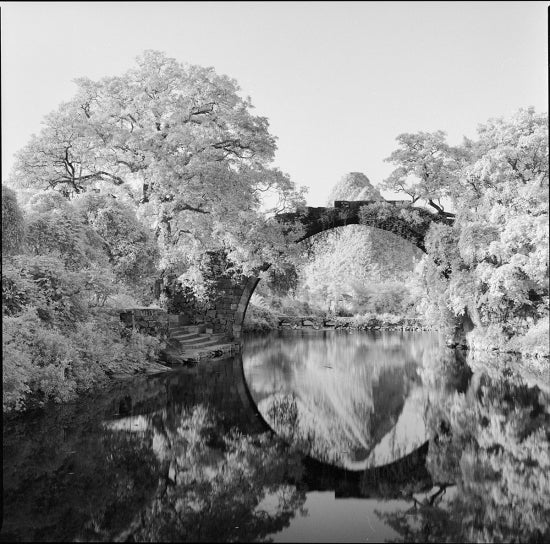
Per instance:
(427,168)
(493,262)
(178,141)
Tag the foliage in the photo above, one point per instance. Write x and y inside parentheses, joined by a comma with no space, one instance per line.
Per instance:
(130,248)
(13,225)
(177,140)
(496,448)
(343,263)
(492,264)
(380,298)
(61,232)
(426,168)
(45,363)
(44,283)
(56,341)
(353,186)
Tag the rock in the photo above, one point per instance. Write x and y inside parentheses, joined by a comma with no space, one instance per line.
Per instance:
(308,323)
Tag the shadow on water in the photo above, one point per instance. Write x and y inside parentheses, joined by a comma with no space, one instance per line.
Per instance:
(189,456)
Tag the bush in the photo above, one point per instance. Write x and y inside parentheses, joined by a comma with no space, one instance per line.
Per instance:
(13,224)
(259,316)
(380,298)
(57,341)
(43,282)
(41,364)
(36,358)
(535,341)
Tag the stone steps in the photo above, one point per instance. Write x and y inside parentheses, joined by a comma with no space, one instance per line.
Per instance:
(178,357)
(184,337)
(188,342)
(186,329)
(201,341)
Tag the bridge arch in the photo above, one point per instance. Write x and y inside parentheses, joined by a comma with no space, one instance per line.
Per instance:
(397,217)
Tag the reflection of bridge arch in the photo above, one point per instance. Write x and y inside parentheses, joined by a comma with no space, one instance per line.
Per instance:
(386,480)
(221,385)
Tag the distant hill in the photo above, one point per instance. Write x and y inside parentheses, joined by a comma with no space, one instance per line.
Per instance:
(355,253)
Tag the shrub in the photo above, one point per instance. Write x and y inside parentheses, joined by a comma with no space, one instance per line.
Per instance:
(535,341)
(13,224)
(41,364)
(259,316)
(44,282)
(36,358)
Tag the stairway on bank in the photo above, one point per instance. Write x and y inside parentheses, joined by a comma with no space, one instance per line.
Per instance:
(187,343)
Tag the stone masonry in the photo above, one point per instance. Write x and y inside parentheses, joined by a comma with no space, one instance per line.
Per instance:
(150,321)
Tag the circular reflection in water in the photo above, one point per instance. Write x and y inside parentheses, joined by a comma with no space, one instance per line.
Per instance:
(354,400)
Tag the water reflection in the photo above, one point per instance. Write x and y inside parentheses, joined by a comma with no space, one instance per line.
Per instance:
(176,468)
(491,447)
(184,457)
(354,400)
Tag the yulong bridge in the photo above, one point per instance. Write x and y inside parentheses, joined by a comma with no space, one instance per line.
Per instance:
(229,296)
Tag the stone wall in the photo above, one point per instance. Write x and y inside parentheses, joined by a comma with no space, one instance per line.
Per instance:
(152,321)
(225,294)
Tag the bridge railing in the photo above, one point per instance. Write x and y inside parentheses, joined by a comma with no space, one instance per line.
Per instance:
(359,203)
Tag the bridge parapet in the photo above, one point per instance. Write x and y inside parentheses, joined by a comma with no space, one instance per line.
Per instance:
(396,216)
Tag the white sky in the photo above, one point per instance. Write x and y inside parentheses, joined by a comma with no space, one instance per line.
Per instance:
(337,80)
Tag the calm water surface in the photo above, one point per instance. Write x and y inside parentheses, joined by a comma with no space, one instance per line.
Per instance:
(310,436)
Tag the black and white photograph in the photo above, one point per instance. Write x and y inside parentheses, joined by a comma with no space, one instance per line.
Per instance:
(275,271)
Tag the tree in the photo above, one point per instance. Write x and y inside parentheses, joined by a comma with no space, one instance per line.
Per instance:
(426,168)
(495,257)
(131,250)
(176,140)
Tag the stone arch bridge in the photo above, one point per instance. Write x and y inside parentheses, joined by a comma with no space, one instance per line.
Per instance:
(230,296)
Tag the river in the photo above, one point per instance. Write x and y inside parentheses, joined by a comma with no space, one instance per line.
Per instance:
(308,436)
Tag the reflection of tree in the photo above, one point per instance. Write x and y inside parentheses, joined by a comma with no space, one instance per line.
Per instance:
(60,493)
(426,520)
(169,474)
(218,487)
(494,441)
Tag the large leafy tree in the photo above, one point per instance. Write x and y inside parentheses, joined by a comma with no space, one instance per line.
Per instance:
(494,260)
(426,168)
(177,141)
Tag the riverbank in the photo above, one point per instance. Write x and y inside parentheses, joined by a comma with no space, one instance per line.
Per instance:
(369,322)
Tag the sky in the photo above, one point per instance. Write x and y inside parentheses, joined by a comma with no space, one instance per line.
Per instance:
(338,81)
